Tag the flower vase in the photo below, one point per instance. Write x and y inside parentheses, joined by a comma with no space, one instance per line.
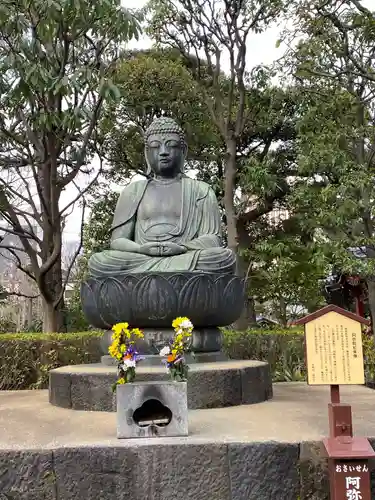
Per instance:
(152,409)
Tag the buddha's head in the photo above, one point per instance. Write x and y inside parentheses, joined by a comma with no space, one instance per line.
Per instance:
(165,147)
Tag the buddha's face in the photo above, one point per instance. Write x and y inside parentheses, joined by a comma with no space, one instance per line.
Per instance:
(165,154)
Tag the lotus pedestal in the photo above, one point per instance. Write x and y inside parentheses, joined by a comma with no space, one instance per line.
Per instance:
(151,301)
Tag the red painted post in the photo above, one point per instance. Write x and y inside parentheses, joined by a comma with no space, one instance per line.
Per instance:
(335,394)
(348,456)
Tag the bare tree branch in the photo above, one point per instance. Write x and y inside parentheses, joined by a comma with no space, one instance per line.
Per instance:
(24,234)
(82,192)
(19,294)
(18,263)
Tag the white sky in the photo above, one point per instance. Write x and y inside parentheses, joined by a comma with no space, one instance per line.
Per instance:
(261,50)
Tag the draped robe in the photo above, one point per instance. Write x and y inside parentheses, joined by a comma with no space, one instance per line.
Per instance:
(198,229)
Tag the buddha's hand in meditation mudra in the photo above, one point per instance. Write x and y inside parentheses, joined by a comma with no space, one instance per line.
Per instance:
(160,249)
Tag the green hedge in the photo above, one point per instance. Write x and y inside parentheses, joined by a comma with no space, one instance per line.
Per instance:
(26,358)
(282,348)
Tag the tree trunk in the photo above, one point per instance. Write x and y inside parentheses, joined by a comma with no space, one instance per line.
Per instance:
(248,317)
(50,280)
(51,285)
(371,301)
(283,317)
(29,313)
(53,318)
(229,189)
(236,242)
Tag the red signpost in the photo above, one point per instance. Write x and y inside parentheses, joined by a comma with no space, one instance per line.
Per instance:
(339,332)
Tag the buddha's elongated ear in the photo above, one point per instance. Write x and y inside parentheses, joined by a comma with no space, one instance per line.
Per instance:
(184,156)
(148,166)
(148,171)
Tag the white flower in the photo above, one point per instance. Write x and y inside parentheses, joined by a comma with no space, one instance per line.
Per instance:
(186,324)
(123,367)
(165,351)
(129,363)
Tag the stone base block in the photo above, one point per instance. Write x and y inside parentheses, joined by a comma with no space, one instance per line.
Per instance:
(180,470)
(313,472)
(210,385)
(152,409)
(107,360)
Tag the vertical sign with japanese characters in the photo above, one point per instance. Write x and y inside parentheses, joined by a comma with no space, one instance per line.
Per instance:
(334,350)
(352,480)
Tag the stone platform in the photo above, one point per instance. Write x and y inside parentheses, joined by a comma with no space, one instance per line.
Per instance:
(210,385)
(255,452)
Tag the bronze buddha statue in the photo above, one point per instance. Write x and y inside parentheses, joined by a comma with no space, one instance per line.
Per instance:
(167,222)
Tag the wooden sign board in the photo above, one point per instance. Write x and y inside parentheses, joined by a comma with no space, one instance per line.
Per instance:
(333,343)
(351,480)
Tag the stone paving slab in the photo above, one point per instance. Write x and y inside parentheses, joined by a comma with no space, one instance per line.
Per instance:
(297,413)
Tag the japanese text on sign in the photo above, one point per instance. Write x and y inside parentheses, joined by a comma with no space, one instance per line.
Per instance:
(352,480)
(334,350)
(353,488)
(352,468)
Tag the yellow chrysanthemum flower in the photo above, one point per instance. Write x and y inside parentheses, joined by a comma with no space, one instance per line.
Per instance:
(183,330)
(120,327)
(137,333)
(182,324)
(176,322)
(116,335)
(121,381)
(112,348)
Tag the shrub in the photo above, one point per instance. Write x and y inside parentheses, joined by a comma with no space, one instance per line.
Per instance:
(7,324)
(283,349)
(369,355)
(26,358)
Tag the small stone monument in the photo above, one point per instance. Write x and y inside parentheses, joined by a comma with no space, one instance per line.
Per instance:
(152,409)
